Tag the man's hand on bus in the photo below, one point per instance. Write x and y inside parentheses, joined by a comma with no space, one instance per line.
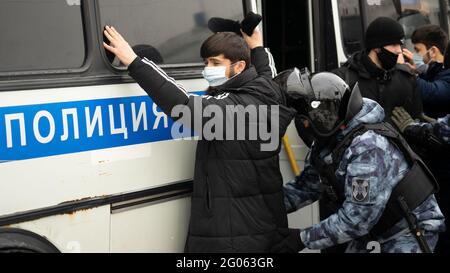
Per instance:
(119,46)
(254,41)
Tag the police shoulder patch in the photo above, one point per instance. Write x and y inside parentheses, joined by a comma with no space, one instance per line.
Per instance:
(361,190)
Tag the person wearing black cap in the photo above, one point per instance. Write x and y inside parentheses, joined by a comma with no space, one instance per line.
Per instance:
(379,73)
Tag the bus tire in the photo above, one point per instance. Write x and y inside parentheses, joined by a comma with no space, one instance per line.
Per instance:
(13,240)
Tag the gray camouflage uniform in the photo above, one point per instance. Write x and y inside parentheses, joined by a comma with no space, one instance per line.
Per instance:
(372,162)
(441,127)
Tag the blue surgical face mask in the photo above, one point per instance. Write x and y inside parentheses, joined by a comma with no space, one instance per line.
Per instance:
(216,75)
(421,66)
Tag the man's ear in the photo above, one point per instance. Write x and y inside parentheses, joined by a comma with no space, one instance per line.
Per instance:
(240,66)
(434,50)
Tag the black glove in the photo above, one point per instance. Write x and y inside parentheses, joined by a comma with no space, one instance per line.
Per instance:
(217,24)
(292,243)
(250,22)
(248,25)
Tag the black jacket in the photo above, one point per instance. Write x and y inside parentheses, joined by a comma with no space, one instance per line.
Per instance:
(237,203)
(394,88)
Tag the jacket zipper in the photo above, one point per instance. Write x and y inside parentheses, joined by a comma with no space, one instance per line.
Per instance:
(208,194)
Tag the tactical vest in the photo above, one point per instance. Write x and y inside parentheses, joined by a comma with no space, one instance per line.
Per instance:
(414,189)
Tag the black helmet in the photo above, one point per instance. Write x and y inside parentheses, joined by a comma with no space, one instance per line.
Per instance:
(325,100)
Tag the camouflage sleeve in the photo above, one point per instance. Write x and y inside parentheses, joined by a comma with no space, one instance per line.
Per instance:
(374,167)
(444,129)
(430,136)
(303,190)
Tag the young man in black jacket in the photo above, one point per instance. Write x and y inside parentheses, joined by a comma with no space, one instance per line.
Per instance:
(378,72)
(237,203)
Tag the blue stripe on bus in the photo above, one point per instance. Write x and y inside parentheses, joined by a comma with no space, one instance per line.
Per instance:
(14,148)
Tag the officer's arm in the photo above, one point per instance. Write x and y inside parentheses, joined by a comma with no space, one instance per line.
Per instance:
(429,137)
(444,129)
(303,191)
(433,137)
(367,174)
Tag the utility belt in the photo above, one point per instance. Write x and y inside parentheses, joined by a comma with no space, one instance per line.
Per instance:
(411,192)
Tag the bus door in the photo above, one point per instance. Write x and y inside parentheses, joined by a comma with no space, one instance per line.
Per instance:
(288,33)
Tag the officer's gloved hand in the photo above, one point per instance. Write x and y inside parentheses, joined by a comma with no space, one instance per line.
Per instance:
(291,243)
(401,119)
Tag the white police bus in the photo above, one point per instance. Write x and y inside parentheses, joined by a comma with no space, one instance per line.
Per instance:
(87,163)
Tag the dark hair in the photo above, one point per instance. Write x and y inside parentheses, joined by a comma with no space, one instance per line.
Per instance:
(431,35)
(231,45)
(447,57)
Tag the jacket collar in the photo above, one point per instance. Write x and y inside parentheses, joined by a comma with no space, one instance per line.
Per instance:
(356,63)
(435,69)
(371,68)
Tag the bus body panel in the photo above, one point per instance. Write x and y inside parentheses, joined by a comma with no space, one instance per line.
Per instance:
(83,231)
(162,227)
(72,176)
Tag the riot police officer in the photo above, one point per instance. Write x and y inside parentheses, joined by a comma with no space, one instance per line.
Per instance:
(378,187)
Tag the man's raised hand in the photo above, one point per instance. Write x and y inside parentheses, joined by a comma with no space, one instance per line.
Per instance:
(118,46)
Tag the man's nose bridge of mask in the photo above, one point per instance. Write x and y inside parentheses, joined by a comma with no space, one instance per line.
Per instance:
(215,67)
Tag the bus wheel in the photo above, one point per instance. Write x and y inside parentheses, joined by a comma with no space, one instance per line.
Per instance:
(14,240)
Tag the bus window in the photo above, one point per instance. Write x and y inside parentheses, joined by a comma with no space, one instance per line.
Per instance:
(409,13)
(41,35)
(351,24)
(166,31)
